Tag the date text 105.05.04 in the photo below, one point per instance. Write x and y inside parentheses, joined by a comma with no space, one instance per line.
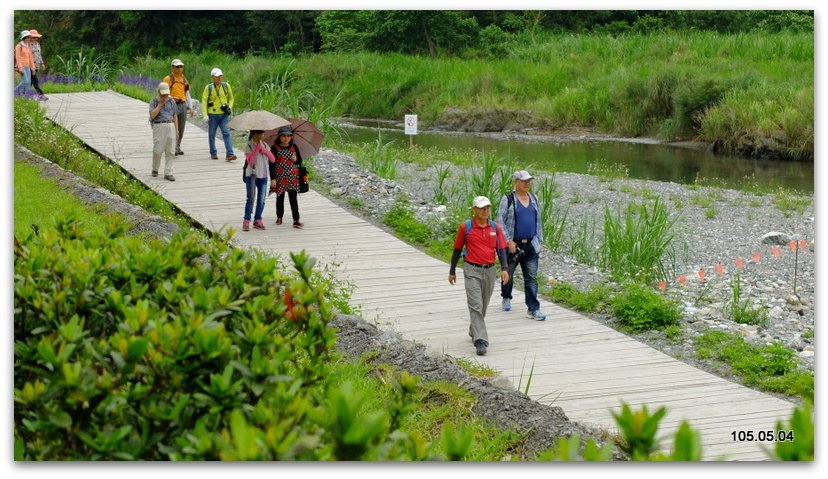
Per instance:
(762,436)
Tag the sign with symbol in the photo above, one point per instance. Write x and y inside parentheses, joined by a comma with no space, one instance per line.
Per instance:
(410,124)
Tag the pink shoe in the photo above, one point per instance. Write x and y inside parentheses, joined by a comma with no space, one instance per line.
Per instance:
(246,225)
(259,225)
(298,224)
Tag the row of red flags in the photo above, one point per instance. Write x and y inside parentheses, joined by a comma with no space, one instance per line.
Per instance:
(775,251)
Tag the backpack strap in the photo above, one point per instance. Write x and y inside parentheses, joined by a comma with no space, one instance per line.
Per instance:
(492,225)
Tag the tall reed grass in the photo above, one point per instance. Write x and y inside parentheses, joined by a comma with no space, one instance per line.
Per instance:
(638,243)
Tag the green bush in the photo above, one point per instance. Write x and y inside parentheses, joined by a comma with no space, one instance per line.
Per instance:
(590,301)
(639,308)
(127,349)
(402,219)
(768,367)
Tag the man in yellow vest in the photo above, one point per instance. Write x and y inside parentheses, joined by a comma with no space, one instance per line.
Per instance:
(217,107)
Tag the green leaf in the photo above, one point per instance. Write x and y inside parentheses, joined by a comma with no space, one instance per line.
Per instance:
(61,419)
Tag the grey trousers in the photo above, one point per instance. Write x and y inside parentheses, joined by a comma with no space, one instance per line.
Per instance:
(479,284)
(182,122)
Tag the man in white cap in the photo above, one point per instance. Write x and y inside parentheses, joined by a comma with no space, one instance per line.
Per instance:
(216,108)
(484,244)
(519,213)
(164,118)
(180,92)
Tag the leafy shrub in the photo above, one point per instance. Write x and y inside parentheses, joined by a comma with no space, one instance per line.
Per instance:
(640,309)
(591,301)
(402,219)
(188,350)
(769,367)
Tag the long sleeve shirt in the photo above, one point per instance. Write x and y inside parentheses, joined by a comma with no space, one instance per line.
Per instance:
(257,157)
(506,217)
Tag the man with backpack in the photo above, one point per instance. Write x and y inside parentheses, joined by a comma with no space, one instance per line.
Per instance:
(217,107)
(519,213)
(180,93)
(480,240)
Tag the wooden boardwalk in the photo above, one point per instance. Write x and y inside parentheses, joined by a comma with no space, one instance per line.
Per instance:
(580,365)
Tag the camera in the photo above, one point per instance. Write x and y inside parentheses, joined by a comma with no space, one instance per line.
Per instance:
(226,109)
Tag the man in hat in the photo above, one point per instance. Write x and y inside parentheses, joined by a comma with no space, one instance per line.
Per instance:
(519,213)
(164,118)
(39,64)
(180,93)
(24,62)
(216,108)
(484,242)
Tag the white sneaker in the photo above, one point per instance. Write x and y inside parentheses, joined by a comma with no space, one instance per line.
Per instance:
(537,315)
(507,304)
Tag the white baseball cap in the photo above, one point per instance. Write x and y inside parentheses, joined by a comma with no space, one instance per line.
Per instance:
(163,88)
(216,72)
(522,175)
(481,202)
(177,62)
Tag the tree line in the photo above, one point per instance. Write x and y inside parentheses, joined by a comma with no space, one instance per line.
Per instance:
(126,34)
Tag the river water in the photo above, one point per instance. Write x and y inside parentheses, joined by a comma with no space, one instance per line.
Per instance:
(642,160)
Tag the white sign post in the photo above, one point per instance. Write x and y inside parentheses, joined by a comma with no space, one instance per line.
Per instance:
(410,128)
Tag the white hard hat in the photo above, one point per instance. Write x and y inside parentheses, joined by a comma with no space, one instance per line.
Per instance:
(216,72)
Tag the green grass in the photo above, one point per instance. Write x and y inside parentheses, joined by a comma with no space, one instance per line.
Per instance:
(51,202)
(720,88)
(638,243)
(436,405)
(768,367)
(34,131)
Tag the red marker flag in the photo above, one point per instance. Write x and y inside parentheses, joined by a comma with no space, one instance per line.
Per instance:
(702,273)
(757,257)
(803,244)
(682,279)
(775,250)
(792,244)
(739,263)
(662,285)
(720,269)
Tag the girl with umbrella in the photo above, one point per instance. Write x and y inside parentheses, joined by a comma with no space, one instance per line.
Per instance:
(258,160)
(284,175)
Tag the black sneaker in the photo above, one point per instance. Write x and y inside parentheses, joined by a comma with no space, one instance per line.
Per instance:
(480,346)
(154,173)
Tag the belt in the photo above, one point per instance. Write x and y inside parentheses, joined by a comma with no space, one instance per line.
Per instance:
(179,101)
(524,241)
(165,121)
(484,266)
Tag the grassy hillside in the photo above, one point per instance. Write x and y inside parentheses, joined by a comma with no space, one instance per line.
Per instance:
(748,93)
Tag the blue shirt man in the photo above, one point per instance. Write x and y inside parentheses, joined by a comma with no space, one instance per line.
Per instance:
(519,213)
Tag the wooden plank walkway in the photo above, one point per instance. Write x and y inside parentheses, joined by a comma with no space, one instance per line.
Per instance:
(580,365)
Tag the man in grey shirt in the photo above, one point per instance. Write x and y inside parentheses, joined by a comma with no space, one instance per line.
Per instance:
(164,119)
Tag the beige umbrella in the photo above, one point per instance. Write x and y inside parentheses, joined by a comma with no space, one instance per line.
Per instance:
(257,120)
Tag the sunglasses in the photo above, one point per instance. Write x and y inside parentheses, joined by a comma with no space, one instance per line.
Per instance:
(178,66)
